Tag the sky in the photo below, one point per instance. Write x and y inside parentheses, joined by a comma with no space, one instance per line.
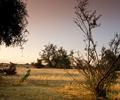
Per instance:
(51,21)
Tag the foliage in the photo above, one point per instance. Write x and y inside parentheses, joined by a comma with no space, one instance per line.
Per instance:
(38,64)
(13,22)
(99,71)
(55,57)
(62,59)
(8,69)
(48,54)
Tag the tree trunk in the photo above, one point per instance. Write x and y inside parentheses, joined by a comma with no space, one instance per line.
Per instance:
(100,94)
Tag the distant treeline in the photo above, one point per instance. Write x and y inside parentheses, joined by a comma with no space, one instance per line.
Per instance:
(55,57)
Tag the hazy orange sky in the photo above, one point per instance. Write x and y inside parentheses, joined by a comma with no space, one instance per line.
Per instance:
(51,21)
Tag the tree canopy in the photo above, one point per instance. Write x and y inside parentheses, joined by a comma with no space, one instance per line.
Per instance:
(13,22)
(52,56)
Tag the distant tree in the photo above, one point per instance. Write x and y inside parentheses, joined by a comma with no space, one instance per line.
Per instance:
(71,59)
(38,64)
(62,58)
(55,57)
(13,22)
(99,71)
(48,54)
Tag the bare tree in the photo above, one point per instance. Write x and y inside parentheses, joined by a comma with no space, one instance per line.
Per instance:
(99,71)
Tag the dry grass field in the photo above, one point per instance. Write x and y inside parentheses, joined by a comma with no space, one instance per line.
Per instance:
(49,84)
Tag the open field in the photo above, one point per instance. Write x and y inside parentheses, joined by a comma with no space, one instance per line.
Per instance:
(48,84)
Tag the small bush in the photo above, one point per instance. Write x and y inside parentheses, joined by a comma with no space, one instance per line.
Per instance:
(11,70)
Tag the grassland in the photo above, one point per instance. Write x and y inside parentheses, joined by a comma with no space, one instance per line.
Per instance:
(49,84)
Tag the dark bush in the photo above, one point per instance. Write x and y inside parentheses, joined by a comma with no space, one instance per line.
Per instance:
(11,70)
(38,64)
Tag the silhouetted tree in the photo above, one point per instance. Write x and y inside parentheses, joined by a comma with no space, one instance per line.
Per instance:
(71,59)
(99,71)
(62,58)
(38,64)
(13,22)
(48,54)
(55,57)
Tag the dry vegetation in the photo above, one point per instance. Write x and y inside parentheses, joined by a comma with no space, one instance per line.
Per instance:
(49,84)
